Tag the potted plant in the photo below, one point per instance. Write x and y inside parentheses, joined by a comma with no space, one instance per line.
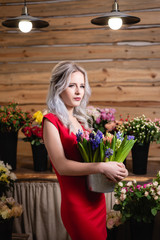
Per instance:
(95,147)
(9,208)
(100,117)
(33,134)
(144,131)
(12,118)
(138,204)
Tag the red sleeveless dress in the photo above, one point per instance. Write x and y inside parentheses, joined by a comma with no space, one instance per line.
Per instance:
(83,212)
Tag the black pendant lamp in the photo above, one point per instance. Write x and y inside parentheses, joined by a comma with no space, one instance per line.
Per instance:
(25,22)
(115,19)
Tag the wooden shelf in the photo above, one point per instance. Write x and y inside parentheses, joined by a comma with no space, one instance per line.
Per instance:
(25,172)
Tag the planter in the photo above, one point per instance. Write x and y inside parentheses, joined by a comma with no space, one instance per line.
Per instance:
(140,158)
(6,229)
(99,183)
(141,230)
(8,148)
(40,157)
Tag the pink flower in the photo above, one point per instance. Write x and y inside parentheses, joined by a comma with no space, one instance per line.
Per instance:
(85,135)
(98,120)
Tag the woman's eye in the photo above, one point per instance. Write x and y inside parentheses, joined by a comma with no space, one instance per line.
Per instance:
(82,86)
(71,85)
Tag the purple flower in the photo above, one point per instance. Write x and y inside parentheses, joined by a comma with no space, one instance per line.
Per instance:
(129,137)
(108,152)
(119,136)
(95,139)
(79,135)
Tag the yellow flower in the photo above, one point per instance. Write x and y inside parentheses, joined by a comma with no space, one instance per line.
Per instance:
(38,116)
(4,178)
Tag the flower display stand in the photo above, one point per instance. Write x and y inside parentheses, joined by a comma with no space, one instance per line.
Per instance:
(99,183)
(6,229)
(141,230)
(140,158)
(40,157)
(8,148)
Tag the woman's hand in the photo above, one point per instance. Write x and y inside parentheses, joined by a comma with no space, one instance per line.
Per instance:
(115,171)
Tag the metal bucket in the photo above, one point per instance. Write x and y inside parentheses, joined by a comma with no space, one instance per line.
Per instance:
(99,183)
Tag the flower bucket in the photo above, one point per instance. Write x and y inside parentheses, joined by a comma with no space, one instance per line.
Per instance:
(6,229)
(99,183)
(141,230)
(40,157)
(8,148)
(140,158)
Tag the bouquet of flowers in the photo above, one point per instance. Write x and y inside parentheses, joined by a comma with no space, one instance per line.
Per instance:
(113,219)
(142,128)
(139,202)
(100,117)
(7,178)
(12,118)
(9,208)
(33,132)
(94,147)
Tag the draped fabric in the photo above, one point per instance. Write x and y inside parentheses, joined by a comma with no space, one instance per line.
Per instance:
(41,216)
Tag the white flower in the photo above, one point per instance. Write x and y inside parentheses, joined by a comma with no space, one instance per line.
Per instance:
(129,184)
(13,176)
(155,183)
(155,197)
(134,181)
(120,184)
(158,192)
(123,197)
(123,190)
(146,194)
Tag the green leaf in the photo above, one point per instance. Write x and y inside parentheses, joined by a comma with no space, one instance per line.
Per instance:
(96,155)
(154,211)
(83,152)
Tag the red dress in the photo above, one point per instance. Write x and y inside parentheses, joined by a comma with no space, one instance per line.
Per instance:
(83,212)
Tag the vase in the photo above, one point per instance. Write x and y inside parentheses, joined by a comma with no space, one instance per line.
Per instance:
(8,148)
(140,158)
(40,157)
(99,183)
(6,229)
(141,230)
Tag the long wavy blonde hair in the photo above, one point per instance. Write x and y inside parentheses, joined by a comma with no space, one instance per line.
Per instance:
(60,79)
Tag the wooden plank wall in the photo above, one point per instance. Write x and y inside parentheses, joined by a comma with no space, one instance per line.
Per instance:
(123,66)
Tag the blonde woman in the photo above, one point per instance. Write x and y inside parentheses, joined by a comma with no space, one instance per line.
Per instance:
(83,212)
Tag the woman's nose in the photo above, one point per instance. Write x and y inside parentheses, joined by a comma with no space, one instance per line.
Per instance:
(77,90)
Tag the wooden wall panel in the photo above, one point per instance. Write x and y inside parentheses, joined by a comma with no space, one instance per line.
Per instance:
(123,66)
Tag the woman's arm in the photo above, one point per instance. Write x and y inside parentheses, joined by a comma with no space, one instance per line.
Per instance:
(113,170)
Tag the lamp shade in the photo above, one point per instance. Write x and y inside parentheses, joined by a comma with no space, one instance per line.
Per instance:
(126,19)
(36,22)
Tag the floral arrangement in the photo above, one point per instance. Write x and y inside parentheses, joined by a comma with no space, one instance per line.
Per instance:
(33,132)
(139,202)
(9,208)
(113,219)
(7,178)
(100,117)
(12,118)
(94,147)
(142,128)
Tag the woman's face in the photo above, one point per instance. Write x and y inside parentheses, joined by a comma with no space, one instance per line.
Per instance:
(74,93)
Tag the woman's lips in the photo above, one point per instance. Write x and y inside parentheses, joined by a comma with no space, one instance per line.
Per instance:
(77,98)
